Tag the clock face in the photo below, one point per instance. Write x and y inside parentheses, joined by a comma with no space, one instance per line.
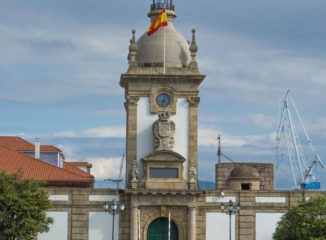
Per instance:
(163,100)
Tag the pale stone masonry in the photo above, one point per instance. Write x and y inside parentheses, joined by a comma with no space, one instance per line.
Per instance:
(188,208)
(265,179)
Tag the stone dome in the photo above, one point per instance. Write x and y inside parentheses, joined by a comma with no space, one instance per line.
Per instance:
(244,172)
(151,48)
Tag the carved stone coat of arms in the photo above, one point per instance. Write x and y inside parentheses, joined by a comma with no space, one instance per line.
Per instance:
(163,131)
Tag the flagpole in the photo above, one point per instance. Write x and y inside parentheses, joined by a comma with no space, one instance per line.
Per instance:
(138,223)
(164,50)
(169,235)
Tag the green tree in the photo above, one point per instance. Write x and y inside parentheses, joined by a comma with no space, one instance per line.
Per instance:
(23,205)
(306,221)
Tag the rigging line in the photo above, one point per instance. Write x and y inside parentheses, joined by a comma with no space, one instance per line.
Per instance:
(294,140)
(227,157)
(291,160)
(306,134)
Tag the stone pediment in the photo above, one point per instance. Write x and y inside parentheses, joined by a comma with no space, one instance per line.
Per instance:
(163,156)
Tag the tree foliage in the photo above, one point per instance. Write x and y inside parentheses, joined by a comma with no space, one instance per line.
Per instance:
(23,206)
(306,221)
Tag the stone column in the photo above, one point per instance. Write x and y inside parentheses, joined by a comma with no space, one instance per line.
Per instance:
(193,129)
(134,223)
(192,223)
(131,137)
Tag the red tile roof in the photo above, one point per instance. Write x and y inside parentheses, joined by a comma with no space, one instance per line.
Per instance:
(19,144)
(11,160)
(72,168)
(31,148)
(7,141)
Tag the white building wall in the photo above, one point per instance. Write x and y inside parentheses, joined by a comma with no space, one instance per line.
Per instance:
(224,199)
(100,226)
(145,122)
(59,229)
(271,199)
(266,224)
(103,197)
(59,197)
(217,226)
(181,136)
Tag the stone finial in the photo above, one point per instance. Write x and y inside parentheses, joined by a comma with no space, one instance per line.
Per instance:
(133,48)
(193,51)
(193,47)
(163,131)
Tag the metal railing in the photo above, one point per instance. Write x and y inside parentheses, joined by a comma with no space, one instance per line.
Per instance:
(161,5)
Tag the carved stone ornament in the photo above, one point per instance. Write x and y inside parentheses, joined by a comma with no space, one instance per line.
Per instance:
(192,172)
(134,170)
(163,131)
(132,100)
(193,101)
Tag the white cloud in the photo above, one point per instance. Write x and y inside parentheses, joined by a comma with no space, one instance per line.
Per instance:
(98,132)
(242,69)
(207,137)
(104,168)
(60,62)
(262,121)
(257,119)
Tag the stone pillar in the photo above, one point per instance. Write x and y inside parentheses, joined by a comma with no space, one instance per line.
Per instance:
(134,223)
(131,141)
(193,129)
(191,223)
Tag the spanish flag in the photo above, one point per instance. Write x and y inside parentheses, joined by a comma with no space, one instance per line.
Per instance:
(160,21)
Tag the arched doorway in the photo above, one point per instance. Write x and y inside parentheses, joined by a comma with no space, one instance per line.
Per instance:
(158,230)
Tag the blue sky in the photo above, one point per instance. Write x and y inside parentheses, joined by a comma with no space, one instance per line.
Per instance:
(60,65)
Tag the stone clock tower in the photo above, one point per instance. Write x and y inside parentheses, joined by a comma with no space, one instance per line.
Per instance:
(161,92)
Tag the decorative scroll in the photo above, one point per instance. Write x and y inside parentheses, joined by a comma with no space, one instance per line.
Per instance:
(163,131)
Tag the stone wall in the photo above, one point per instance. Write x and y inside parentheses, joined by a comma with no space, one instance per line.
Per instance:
(252,203)
(79,203)
(265,170)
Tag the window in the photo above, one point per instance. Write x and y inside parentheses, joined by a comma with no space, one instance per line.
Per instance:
(245,186)
(163,173)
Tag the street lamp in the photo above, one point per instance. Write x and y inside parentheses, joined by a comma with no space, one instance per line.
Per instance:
(230,211)
(114,208)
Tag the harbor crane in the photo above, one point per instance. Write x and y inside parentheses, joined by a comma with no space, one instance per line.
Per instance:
(302,167)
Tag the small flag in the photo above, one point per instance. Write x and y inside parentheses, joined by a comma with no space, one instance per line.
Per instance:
(160,21)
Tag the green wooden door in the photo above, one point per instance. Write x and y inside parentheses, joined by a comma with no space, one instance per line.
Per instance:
(158,230)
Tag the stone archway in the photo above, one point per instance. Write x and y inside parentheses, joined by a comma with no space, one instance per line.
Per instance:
(158,230)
